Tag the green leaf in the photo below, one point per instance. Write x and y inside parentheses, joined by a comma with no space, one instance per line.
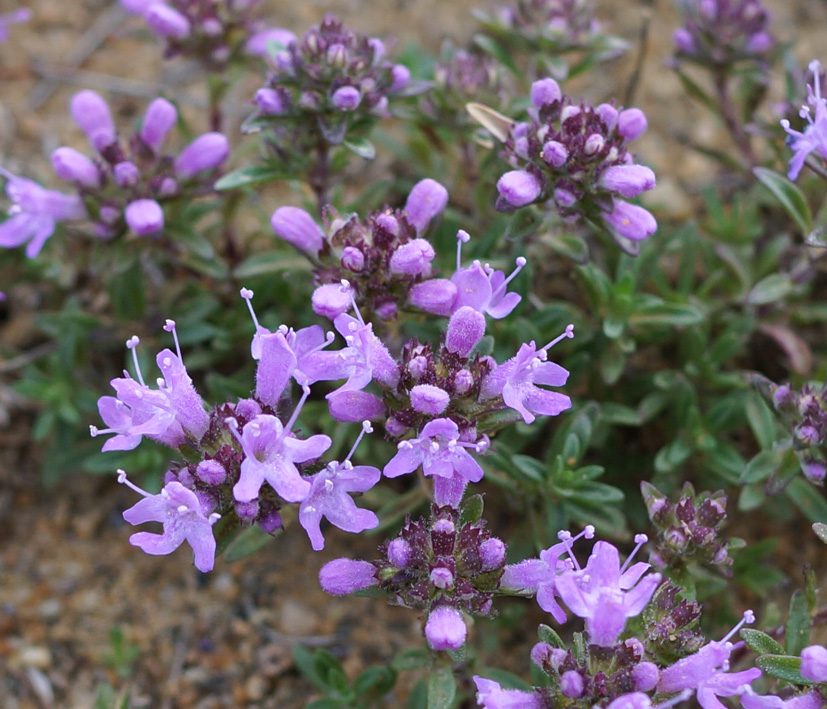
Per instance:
(550,636)
(416,659)
(471,510)
(246,176)
(442,688)
(798,624)
(783,667)
(247,542)
(270,262)
(821,531)
(761,467)
(773,288)
(808,499)
(761,421)
(761,643)
(379,680)
(790,197)
(361,147)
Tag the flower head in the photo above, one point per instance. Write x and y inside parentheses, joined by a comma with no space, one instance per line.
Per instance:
(814,136)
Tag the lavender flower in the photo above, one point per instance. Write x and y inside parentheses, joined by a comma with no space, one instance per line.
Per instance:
(808,700)
(814,663)
(814,136)
(445,629)
(605,594)
(33,217)
(184,519)
(492,696)
(343,576)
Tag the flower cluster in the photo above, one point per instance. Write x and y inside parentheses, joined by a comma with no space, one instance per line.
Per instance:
(719,33)
(124,185)
(814,136)
(240,460)
(575,155)
(569,23)
(211,32)
(327,84)
(805,414)
(445,566)
(689,529)
(380,256)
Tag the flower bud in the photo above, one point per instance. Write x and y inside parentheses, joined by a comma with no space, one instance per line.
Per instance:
(297,227)
(337,55)
(465,329)
(387,310)
(401,77)
(427,199)
(387,223)
(555,154)
(442,577)
(760,43)
(269,102)
(353,259)
(167,21)
(436,296)
(545,92)
(684,41)
(492,553)
(206,152)
(330,301)
(571,684)
(258,43)
(594,144)
(342,576)
(144,216)
(627,180)
(463,381)
(631,221)
(269,517)
(246,511)
(429,399)
(211,472)
(541,655)
(814,663)
(69,164)
(445,629)
(815,470)
(399,553)
(631,124)
(159,119)
(92,116)
(346,98)
(126,174)
(608,114)
(519,188)
(413,258)
(645,676)
(355,406)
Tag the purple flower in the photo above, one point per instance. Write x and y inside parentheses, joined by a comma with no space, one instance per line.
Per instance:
(605,594)
(352,406)
(413,258)
(539,576)
(427,199)
(328,497)
(445,629)
(814,663)
(184,519)
(35,213)
(545,92)
(343,576)
(491,695)
(271,453)
(159,119)
(258,43)
(167,21)
(519,187)
(627,180)
(436,295)
(331,300)
(809,700)
(22,14)
(630,220)
(429,399)
(346,98)
(206,152)
(631,124)
(516,380)
(69,164)
(465,329)
(814,136)
(91,113)
(144,217)
(706,672)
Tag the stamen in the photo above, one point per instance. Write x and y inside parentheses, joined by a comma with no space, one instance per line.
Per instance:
(169,326)
(346,288)
(521,262)
(568,332)
(366,428)
(232,424)
(462,238)
(132,344)
(289,425)
(247,294)
(749,617)
(213,518)
(125,481)
(640,540)
(677,699)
